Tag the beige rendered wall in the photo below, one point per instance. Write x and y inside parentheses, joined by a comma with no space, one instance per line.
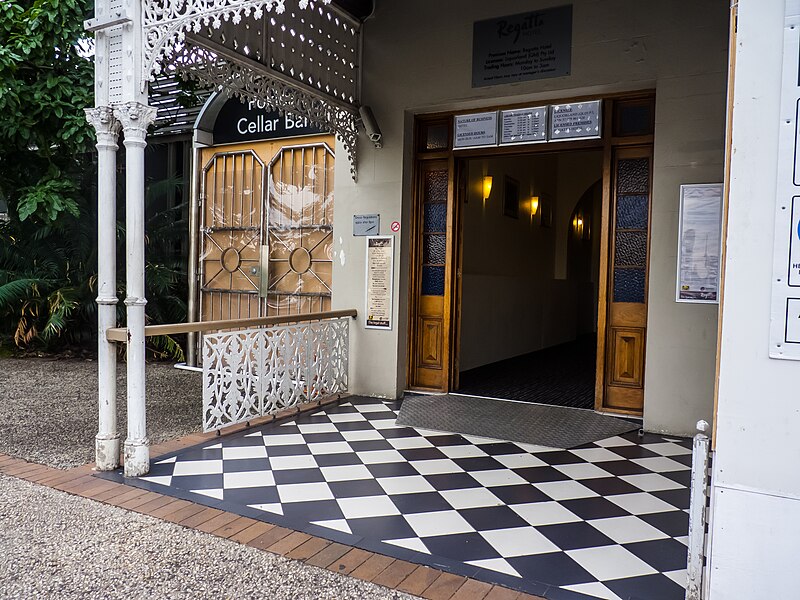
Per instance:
(417,59)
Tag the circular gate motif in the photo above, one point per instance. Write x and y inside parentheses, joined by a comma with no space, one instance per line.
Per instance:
(300,260)
(230,259)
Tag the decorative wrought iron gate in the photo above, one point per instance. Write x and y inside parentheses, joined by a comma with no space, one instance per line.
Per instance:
(298,248)
(231,232)
(266,243)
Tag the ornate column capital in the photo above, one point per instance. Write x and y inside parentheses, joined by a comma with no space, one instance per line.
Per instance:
(105,124)
(135,118)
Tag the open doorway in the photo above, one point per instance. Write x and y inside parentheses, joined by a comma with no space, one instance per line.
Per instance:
(530,267)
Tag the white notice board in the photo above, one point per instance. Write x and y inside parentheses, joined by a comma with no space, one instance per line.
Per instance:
(475,130)
(380,279)
(699,243)
(784,333)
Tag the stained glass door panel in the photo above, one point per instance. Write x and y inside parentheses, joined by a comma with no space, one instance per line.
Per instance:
(627,276)
(430,343)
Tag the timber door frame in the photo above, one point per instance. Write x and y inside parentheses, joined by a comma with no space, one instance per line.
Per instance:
(443,153)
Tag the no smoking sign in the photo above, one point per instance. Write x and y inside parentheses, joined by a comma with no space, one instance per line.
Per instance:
(395,226)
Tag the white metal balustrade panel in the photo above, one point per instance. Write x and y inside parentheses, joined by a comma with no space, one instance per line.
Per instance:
(258,372)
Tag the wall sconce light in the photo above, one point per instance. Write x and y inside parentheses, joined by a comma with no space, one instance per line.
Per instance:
(534,205)
(580,227)
(487,187)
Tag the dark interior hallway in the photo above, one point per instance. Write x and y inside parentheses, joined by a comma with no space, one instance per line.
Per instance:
(563,375)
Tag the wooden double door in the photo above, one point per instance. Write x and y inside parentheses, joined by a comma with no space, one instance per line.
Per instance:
(435,274)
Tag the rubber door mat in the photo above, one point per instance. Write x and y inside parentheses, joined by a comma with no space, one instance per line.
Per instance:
(542,425)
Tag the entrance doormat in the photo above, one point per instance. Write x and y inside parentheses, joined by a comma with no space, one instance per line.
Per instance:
(539,424)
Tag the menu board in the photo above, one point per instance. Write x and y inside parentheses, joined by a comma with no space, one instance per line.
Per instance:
(475,130)
(524,125)
(579,120)
(380,263)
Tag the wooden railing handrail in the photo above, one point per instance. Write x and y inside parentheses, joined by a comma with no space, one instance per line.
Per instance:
(120,334)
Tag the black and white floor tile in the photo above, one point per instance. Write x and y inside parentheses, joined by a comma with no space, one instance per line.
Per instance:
(608,520)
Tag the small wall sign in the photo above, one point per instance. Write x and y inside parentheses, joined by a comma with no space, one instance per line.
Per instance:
(580,120)
(475,130)
(524,125)
(366,225)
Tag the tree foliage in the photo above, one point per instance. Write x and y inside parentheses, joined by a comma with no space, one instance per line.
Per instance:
(45,83)
(48,247)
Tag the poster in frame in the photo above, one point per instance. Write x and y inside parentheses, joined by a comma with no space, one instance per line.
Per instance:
(699,243)
(379,282)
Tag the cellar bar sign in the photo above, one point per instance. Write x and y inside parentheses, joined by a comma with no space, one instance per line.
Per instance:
(523,47)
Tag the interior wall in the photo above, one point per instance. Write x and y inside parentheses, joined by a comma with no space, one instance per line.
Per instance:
(418,59)
(512,303)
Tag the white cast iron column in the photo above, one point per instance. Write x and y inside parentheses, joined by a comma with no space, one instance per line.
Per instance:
(135,118)
(106,446)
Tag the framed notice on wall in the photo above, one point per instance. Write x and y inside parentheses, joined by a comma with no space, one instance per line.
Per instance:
(380,277)
(699,243)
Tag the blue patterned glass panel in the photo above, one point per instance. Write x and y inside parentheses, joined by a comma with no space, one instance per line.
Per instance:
(433,250)
(435,218)
(629,285)
(632,212)
(436,186)
(433,281)
(633,176)
(630,249)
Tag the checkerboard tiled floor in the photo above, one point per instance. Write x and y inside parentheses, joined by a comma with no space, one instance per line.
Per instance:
(608,520)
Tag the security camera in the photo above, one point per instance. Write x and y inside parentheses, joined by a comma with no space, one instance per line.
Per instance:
(371,126)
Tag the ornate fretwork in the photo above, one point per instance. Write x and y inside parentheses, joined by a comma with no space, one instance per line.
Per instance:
(247,84)
(166,22)
(258,372)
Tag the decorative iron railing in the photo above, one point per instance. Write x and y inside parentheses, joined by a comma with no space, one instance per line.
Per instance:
(257,372)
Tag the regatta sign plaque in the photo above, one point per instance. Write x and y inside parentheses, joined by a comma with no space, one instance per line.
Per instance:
(523,47)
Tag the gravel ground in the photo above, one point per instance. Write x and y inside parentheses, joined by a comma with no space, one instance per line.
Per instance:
(48,407)
(59,546)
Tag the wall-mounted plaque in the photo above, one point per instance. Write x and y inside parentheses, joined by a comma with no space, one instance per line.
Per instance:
(699,243)
(523,47)
(523,126)
(366,225)
(380,265)
(472,131)
(580,120)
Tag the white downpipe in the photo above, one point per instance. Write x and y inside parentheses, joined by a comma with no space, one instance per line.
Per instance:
(697,513)
(107,438)
(135,119)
